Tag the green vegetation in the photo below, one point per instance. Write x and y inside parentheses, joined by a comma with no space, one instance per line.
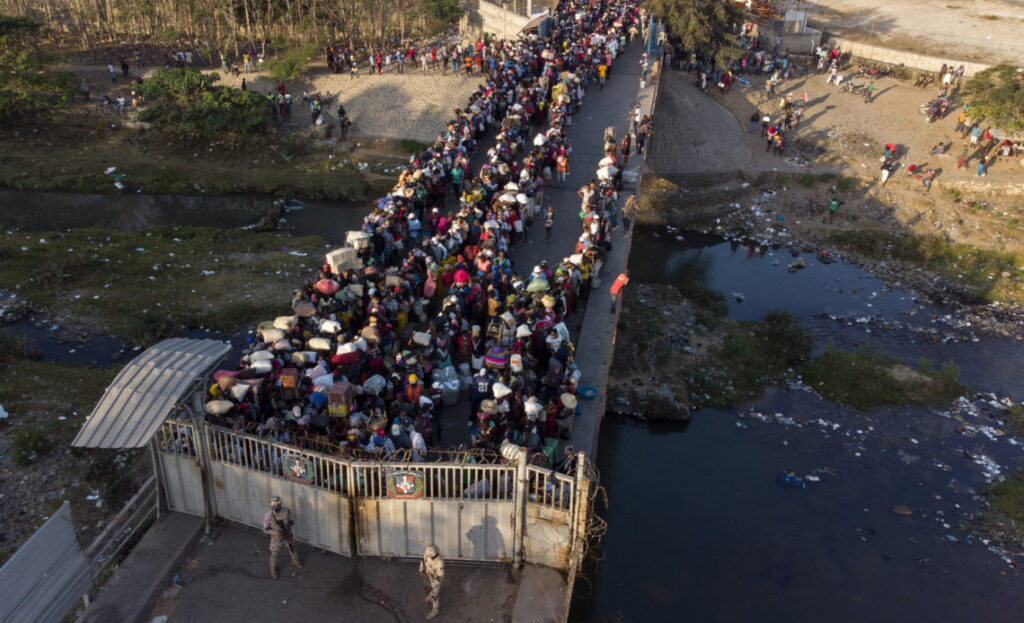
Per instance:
(292,62)
(998,95)
(440,13)
(27,444)
(991,275)
(185,100)
(73,156)
(750,356)
(149,285)
(27,87)
(866,379)
(46,400)
(705,24)
(1004,519)
(810,179)
(412,146)
(1015,418)
(709,306)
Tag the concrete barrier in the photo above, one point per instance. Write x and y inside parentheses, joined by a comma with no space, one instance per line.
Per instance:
(899,57)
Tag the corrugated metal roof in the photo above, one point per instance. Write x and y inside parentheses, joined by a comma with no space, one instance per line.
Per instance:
(46,576)
(142,395)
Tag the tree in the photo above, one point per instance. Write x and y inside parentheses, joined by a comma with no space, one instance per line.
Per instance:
(184,99)
(27,87)
(707,25)
(998,94)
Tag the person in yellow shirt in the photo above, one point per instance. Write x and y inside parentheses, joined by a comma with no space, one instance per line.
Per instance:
(602,73)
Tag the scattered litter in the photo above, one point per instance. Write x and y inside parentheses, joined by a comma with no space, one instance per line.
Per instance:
(792,480)
(903,510)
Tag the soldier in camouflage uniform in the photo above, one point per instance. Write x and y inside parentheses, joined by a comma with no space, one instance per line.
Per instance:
(432,573)
(277,524)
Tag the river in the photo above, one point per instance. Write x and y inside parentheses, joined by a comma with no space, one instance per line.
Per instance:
(701,528)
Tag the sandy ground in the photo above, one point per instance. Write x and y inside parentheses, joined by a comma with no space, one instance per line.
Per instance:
(985,31)
(842,134)
(411,105)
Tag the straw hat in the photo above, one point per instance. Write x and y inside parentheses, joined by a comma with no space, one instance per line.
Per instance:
(489,407)
(569,400)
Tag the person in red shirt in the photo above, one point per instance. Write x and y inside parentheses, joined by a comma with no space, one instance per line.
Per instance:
(620,282)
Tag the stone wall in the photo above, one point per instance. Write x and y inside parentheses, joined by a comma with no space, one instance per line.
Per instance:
(896,57)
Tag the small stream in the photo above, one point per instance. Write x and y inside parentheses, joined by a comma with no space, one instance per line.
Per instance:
(700,526)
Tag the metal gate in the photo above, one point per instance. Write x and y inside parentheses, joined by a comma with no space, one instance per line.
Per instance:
(467,511)
(182,477)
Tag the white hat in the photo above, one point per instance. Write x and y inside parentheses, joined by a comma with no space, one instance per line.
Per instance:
(523,331)
(569,400)
(501,390)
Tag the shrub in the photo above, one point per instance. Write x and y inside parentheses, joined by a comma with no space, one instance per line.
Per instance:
(998,94)
(185,99)
(292,62)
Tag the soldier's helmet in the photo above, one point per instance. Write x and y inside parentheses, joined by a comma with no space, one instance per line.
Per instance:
(275,502)
(431,552)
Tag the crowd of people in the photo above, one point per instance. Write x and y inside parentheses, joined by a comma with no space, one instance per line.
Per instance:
(426,305)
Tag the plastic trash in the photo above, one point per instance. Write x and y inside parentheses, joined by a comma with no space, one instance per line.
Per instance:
(791,479)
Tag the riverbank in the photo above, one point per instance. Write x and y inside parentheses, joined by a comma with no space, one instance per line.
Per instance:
(92,151)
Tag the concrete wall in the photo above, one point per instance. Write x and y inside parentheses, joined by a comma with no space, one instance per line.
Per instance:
(484,16)
(908,59)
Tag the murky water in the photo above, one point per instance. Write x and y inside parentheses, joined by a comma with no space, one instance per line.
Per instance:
(700,527)
(38,211)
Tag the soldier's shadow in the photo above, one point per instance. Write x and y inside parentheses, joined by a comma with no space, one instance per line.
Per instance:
(488,543)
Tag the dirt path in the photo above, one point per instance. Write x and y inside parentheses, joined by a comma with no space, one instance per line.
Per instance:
(412,105)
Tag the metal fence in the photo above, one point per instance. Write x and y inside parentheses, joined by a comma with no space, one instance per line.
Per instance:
(277,459)
(393,505)
(549,488)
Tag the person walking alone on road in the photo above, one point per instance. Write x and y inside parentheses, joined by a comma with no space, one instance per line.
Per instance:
(616,289)
(549,220)
(277,524)
(432,574)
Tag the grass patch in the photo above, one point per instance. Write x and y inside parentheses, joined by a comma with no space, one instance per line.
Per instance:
(1003,520)
(1015,418)
(955,194)
(751,355)
(991,18)
(866,379)
(73,155)
(844,184)
(149,285)
(981,270)
(46,401)
(808,180)
(412,146)
(709,306)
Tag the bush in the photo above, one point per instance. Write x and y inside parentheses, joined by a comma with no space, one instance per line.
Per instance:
(998,94)
(27,88)
(293,62)
(185,99)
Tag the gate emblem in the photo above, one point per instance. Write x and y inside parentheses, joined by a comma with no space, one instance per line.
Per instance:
(298,468)
(405,485)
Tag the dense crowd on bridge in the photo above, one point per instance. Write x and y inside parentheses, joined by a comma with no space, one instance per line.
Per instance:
(433,307)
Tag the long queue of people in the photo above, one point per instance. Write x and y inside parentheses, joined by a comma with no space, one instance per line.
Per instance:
(424,304)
